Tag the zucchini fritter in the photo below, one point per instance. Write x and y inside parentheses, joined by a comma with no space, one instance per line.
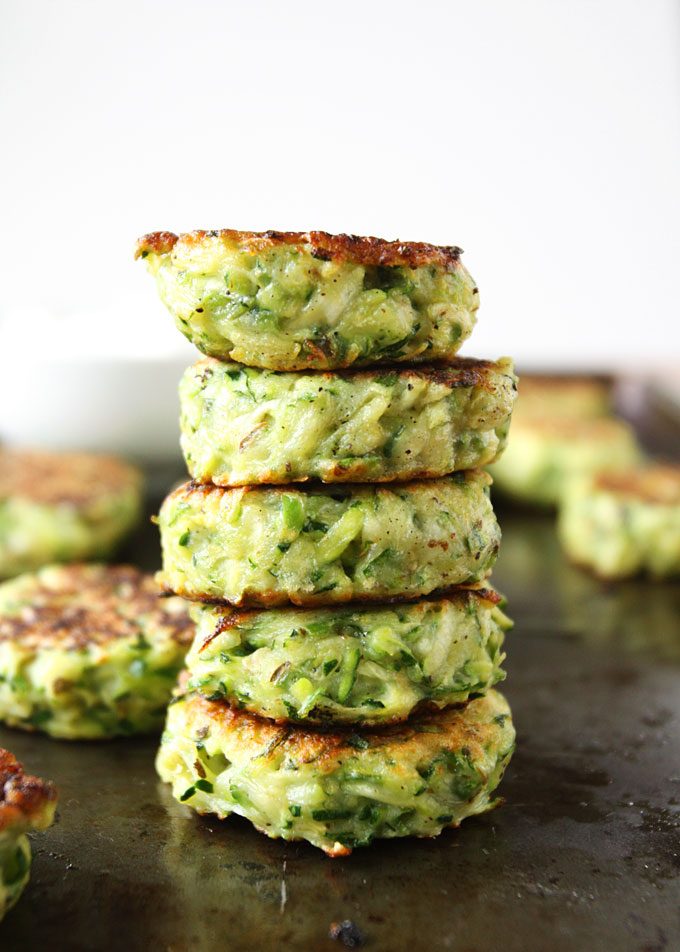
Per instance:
(265,546)
(544,455)
(89,651)
(63,507)
(622,523)
(359,664)
(242,426)
(26,803)
(295,301)
(337,789)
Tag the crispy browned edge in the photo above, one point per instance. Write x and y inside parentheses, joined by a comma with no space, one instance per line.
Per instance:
(52,625)
(454,373)
(22,797)
(327,741)
(321,244)
(328,746)
(315,486)
(343,475)
(313,601)
(325,724)
(231,617)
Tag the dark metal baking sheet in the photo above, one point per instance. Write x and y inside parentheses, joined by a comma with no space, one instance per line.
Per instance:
(583,856)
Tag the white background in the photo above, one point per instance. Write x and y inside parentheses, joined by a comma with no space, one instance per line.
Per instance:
(543,136)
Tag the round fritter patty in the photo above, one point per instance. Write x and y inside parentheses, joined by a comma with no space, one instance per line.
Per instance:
(357,664)
(294,301)
(322,545)
(626,522)
(26,803)
(337,789)
(63,507)
(242,425)
(544,455)
(89,651)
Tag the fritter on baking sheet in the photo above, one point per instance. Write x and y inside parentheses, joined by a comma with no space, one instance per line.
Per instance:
(337,789)
(543,455)
(63,507)
(621,523)
(576,396)
(89,651)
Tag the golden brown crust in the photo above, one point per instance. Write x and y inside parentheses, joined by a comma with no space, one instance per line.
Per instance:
(72,478)
(265,600)
(74,606)
(455,373)
(231,617)
(22,798)
(204,490)
(343,474)
(156,243)
(359,250)
(452,728)
(657,483)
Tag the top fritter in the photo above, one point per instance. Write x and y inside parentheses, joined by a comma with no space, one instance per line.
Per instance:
(296,301)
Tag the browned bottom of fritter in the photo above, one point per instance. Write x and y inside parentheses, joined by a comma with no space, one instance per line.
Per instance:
(325,745)
(272,600)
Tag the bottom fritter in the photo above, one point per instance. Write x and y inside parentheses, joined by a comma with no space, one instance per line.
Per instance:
(337,789)
(26,803)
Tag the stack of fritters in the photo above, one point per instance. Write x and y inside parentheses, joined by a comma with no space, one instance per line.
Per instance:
(339,687)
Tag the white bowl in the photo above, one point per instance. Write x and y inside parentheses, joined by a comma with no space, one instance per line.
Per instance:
(112,391)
